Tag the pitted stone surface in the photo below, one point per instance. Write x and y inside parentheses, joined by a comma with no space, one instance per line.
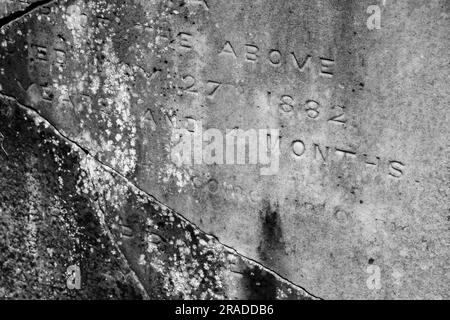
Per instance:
(61,207)
(363,176)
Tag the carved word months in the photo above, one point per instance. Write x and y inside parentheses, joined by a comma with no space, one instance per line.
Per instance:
(251,53)
(310,109)
(326,154)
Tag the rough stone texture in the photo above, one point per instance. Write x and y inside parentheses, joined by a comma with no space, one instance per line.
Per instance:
(9,8)
(61,207)
(46,225)
(371,186)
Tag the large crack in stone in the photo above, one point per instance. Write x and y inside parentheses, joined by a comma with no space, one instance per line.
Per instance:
(247,261)
(363,141)
(19,14)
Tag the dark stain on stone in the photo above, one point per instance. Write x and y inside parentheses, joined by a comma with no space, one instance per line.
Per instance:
(271,244)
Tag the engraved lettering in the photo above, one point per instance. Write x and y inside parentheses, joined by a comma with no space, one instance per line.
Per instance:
(326,67)
(340,118)
(298,148)
(323,155)
(155,74)
(190,81)
(396,169)
(40,52)
(228,49)
(214,87)
(251,52)
(345,153)
(47,93)
(367,161)
(148,117)
(185,40)
(301,65)
(312,109)
(163,32)
(341,216)
(170,121)
(287,103)
(60,58)
(275,57)
(125,231)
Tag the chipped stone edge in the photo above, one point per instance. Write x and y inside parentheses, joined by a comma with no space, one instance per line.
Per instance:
(19,14)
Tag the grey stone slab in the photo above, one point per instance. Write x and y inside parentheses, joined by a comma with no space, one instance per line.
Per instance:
(362,190)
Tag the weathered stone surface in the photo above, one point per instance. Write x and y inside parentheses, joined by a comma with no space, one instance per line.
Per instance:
(61,207)
(46,225)
(363,176)
(10,7)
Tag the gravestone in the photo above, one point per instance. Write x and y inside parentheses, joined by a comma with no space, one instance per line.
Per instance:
(343,186)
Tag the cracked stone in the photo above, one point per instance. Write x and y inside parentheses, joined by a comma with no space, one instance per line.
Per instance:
(97,95)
